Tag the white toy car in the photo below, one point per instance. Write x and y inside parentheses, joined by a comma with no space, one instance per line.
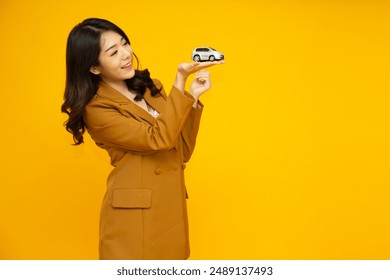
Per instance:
(206,54)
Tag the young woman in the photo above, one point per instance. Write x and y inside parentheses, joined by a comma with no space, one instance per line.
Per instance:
(148,135)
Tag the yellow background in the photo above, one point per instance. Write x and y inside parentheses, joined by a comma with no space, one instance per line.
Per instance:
(292,160)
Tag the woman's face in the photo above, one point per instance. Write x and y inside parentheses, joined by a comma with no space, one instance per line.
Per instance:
(116,63)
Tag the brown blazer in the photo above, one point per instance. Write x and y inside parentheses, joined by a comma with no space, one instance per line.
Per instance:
(144,212)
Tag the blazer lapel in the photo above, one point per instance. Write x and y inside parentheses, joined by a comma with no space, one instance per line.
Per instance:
(157,102)
(106,91)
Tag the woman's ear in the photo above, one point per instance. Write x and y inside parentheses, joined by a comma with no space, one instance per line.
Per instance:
(94,70)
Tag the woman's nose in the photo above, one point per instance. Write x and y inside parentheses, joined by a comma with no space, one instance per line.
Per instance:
(126,53)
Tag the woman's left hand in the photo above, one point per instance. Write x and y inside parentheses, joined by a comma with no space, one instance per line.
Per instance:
(201,84)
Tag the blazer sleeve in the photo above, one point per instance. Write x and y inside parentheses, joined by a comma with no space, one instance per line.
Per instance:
(108,126)
(190,132)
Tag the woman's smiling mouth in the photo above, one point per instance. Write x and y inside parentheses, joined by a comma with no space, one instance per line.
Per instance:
(127,66)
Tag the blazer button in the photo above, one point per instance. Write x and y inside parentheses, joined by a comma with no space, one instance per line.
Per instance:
(158,171)
(183,166)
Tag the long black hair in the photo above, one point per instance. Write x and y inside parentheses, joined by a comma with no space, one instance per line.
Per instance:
(82,53)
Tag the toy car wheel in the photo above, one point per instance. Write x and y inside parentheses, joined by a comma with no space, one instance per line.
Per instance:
(196,58)
(211,58)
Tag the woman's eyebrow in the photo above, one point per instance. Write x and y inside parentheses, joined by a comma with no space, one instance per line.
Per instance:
(109,48)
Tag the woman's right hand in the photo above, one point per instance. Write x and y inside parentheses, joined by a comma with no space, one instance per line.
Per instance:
(201,84)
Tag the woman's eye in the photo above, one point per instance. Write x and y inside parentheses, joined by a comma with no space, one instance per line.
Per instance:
(114,53)
(126,43)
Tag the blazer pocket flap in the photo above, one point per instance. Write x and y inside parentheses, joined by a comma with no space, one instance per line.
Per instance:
(132,198)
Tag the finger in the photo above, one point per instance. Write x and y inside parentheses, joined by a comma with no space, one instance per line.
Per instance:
(203,79)
(202,74)
(193,64)
(207,64)
(189,66)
